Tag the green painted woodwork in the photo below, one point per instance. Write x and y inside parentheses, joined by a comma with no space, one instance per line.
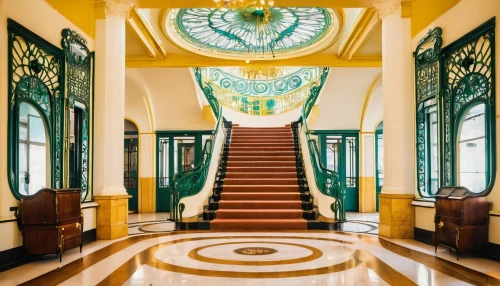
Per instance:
(327,181)
(427,70)
(79,73)
(379,172)
(191,182)
(35,76)
(238,32)
(469,73)
(165,146)
(348,141)
(449,82)
(131,171)
(232,80)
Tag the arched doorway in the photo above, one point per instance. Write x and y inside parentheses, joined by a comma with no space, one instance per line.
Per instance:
(131,165)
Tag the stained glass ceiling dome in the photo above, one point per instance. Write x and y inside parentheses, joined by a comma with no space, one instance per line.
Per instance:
(231,34)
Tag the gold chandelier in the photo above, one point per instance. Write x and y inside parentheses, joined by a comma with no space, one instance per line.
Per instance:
(261,72)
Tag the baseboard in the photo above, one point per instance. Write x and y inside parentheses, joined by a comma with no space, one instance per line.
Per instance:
(492,250)
(89,236)
(11,258)
(15,257)
(423,235)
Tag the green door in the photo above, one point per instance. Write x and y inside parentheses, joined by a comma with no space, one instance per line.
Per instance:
(164,173)
(379,161)
(131,161)
(176,154)
(341,155)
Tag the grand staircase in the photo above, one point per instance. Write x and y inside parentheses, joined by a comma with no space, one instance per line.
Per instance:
(261,183)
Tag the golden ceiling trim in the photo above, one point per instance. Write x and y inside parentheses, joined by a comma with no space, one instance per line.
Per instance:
(168,4)
(145,35)
(366,21)
(320,60)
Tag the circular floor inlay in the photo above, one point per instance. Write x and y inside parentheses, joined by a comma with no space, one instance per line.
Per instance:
(255,251)
(315,254)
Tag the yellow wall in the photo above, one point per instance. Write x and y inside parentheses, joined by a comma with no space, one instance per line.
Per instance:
(81,13)
(454,27)
(46,22)
(424,12)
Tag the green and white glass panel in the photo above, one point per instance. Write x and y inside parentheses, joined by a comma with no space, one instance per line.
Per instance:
(235,33)
(233,80)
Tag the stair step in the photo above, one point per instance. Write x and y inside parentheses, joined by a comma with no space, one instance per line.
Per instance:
(257,133)
(232,158)
(254,196)
(243,175)
(261,139)
(262,153)
(256,145)
(262,128)
(260,188)
(257,204)
(266,169)
(261,181)
(261,163)
(258,224)
(261,149)
(259,214)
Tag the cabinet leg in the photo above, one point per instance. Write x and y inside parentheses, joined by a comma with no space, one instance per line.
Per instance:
(60,257)
(458,255)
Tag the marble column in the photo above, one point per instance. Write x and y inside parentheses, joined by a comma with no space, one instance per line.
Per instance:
(110,193)
(396,213)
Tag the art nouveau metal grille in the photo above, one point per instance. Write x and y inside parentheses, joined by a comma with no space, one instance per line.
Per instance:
(35,76)
(79,76)
(427,95)
(469,77)
(448,84)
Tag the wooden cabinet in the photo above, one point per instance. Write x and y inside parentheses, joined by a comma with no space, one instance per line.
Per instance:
(51,221)
(461,220)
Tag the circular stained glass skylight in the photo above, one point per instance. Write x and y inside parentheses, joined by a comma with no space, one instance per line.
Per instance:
(233,33)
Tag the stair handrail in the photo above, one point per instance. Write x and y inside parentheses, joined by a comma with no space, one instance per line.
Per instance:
(327,181)
(191,182)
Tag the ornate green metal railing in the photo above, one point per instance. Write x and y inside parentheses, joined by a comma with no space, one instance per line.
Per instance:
(191,182)
(327,181)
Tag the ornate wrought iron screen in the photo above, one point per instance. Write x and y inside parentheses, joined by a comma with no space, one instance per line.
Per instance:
(36,77)
(79,82)
(449,83)
(427,93)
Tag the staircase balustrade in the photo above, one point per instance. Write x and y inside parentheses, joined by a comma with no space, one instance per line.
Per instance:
(327,181)
(191,182)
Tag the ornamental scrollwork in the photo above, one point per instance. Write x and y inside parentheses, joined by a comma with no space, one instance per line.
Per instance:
(79,75)
(427,84)
(35,75)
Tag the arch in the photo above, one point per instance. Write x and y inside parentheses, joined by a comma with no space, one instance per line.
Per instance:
(368,109)
(145,96)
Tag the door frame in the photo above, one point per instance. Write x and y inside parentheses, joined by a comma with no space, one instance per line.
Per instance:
(323,134)
(378,189)
(134,133)
(162,206)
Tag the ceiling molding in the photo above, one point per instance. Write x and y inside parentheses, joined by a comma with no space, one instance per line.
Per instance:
(366,21)
(320,60)
(281,3)
(146,36)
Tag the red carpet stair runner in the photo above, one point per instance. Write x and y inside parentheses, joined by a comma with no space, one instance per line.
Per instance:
(261,183)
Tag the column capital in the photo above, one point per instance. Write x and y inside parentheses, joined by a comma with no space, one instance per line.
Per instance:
(386,7)
(114,7)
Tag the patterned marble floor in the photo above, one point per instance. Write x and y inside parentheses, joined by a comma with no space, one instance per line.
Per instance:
(254,258)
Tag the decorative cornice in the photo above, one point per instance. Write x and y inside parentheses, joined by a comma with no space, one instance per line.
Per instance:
(386,7)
